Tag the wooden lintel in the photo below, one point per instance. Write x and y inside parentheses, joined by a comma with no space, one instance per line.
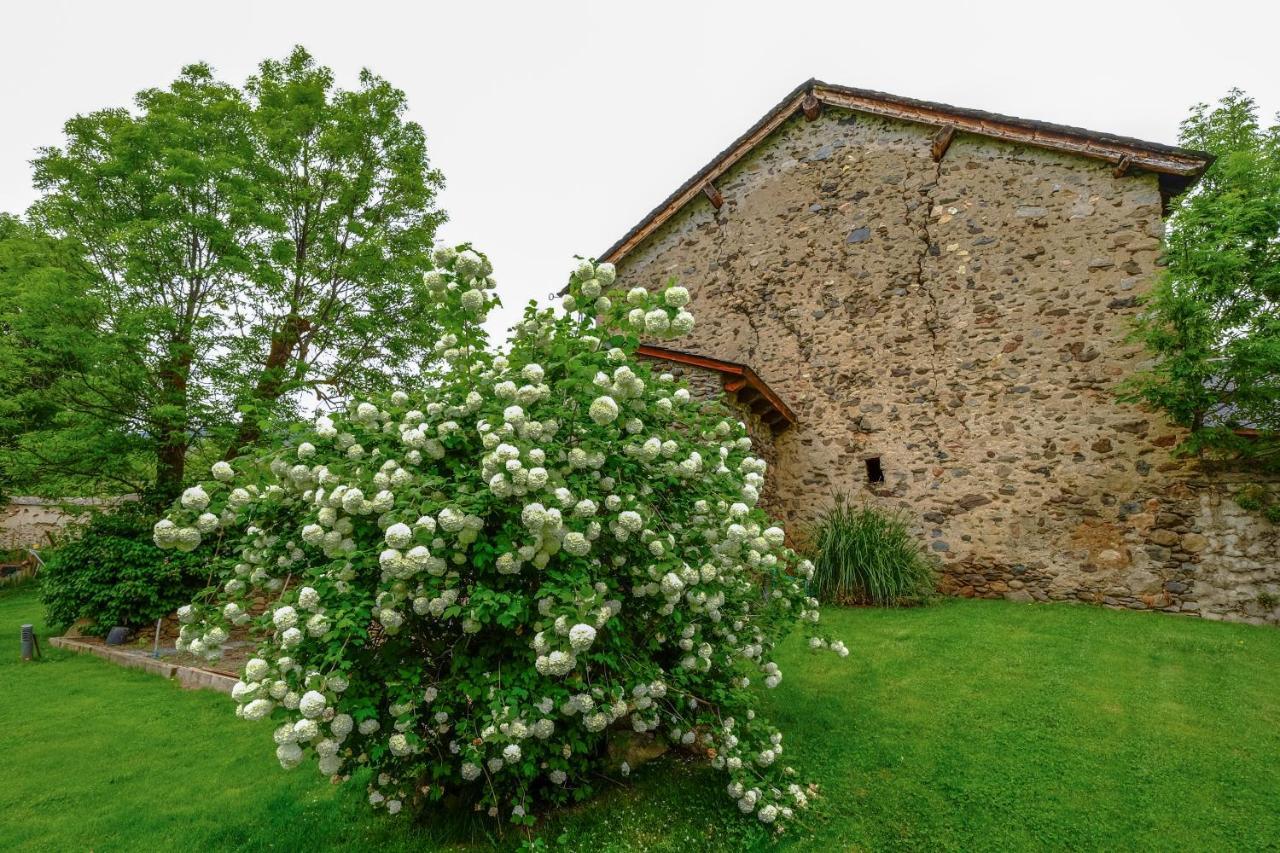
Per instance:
(942,141)
(811,106)
(717,200)
(1123,166)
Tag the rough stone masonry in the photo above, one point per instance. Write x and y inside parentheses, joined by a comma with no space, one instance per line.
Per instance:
(964,321)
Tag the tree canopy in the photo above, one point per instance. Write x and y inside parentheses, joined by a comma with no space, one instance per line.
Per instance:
(1213,320)
(230,248)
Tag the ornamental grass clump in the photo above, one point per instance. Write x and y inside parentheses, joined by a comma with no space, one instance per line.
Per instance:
(863,555)
(470,587)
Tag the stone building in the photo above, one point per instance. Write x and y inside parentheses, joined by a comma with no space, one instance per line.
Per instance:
(927,307)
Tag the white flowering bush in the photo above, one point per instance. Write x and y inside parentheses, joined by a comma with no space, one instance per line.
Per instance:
(468,590)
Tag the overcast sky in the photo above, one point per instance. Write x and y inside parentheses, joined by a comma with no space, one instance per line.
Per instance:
(558,125)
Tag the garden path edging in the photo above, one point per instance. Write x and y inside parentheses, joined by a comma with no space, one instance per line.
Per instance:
(189,677)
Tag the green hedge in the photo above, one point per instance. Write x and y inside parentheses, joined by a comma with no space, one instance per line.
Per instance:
(114,574)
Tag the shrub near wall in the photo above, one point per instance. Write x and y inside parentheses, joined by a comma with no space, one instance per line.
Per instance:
(473,585)
(112,573)
(864,555)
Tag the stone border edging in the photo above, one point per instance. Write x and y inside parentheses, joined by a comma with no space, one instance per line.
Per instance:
(188,676)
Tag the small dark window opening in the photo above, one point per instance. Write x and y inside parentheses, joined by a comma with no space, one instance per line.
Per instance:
(875,474)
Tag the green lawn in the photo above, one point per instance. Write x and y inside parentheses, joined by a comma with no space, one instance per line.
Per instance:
(964,726)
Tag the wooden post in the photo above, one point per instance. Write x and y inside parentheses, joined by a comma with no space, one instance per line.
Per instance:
(1122,167)
(811,106)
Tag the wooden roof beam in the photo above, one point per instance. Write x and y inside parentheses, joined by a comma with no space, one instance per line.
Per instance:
(942,141)
(710,191)
(811,107)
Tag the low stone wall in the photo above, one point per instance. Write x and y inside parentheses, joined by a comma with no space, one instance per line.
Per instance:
(190,677)
(1193,550)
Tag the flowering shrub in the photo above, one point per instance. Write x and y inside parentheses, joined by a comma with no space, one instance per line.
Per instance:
(469,589)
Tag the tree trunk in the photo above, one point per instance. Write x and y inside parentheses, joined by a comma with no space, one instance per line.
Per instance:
(270,381)
(171,451)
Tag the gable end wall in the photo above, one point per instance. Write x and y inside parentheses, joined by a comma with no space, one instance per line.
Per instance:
(964,321)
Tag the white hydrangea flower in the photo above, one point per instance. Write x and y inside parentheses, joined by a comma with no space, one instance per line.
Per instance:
(682,323)
(676,297)
(576,544)
(289,755)
(222,471)
(603,410)
(533,516)
(399,535)
(258,709)
(630,520)
(284,617)
(312,704)
(195,498)
(656,322)
(341,725)
(399,745)
(581,636)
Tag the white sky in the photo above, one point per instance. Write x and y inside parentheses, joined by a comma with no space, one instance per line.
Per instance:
(558,125)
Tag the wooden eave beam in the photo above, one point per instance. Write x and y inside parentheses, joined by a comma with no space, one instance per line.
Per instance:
(692,359)
(774,400)
(811,107)
(737,379)
(1123,166)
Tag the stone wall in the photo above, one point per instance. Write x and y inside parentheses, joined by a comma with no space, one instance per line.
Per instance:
(33,522)
(964,321)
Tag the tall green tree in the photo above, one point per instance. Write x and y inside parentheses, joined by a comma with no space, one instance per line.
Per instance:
(1212,322)
(68,414)
(242,246)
